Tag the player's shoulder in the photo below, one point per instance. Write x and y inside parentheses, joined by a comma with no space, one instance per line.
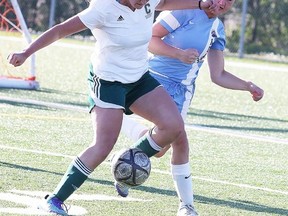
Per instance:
(188,14)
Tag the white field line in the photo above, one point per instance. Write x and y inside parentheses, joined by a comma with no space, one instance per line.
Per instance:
(30,200)
(88,197)
(230,183)
(227,132)
(193,127)
(256,66)
(154,170)
(44,103)
(228,63)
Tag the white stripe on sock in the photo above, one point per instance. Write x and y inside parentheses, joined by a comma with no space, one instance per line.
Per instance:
(152,143)
(81,166)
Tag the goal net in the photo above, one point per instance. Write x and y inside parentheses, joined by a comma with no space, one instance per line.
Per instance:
(14,36)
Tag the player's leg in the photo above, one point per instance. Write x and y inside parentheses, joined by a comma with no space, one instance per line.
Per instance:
(132,128)
(149,100)
(180,166)
(180,173)
(158,108)
(107,124)
(154,104)
(162,152)
(182,96)
(135,130)
(106,127)
(182,177)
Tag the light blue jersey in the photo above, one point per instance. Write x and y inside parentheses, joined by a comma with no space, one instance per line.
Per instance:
(188,29)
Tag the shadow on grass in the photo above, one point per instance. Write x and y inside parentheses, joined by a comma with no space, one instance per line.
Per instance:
(83,107)
(238,118)
(40,90)
(231,116)
(235,204)
(26,105)
(241,204)
(244,128)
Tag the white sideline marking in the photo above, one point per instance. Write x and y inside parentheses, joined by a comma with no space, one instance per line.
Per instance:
(256,66)
(157,171)
(44,103)
(30,205)
(230,183)
(85,197)
(194,127)
(237,134)
(31,199)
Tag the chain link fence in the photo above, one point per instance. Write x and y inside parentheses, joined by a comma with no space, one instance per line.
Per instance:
(265,29)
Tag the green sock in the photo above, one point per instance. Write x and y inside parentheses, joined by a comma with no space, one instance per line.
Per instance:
(144,144)
(72,180)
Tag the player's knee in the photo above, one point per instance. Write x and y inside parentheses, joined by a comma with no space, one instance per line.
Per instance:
(176,127)
(181,143)
(102,147)
(172,130)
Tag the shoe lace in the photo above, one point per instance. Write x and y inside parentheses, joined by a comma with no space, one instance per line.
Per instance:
(59,204)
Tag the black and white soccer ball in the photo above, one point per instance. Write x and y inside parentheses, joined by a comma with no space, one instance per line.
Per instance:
(131,167)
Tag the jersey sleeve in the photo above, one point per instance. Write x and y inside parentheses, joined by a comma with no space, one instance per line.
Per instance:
(220,42)
(92,17)
(171,20)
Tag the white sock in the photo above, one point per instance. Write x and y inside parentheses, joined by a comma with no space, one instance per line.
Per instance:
(182,178)
(132,129)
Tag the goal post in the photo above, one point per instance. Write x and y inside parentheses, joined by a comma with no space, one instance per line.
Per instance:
(21,82)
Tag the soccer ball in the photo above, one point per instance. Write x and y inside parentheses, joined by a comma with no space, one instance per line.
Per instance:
(131,167)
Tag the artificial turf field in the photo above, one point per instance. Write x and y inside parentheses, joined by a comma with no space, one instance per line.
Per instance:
(238,147)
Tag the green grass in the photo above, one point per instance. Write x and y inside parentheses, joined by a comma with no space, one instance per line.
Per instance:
(234,172)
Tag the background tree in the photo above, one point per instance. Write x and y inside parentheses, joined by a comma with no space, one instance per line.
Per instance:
(266,29)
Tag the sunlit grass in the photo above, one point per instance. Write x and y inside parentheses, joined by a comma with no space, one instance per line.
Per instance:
(230,172)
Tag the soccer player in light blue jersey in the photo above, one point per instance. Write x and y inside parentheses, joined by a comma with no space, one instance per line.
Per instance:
(180,41)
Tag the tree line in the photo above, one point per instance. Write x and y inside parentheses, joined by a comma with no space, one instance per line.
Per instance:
(266,28)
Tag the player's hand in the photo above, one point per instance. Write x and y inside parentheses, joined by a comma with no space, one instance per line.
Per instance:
(212,5)
(17,59)
(256,92)
(188,56)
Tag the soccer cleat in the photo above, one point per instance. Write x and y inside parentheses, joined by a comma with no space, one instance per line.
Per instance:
(122,190)
(54,205)
(187,210)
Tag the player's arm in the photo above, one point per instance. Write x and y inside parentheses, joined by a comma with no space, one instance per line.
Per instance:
(225,79)
(186,4)
(57,32)
(158,47)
